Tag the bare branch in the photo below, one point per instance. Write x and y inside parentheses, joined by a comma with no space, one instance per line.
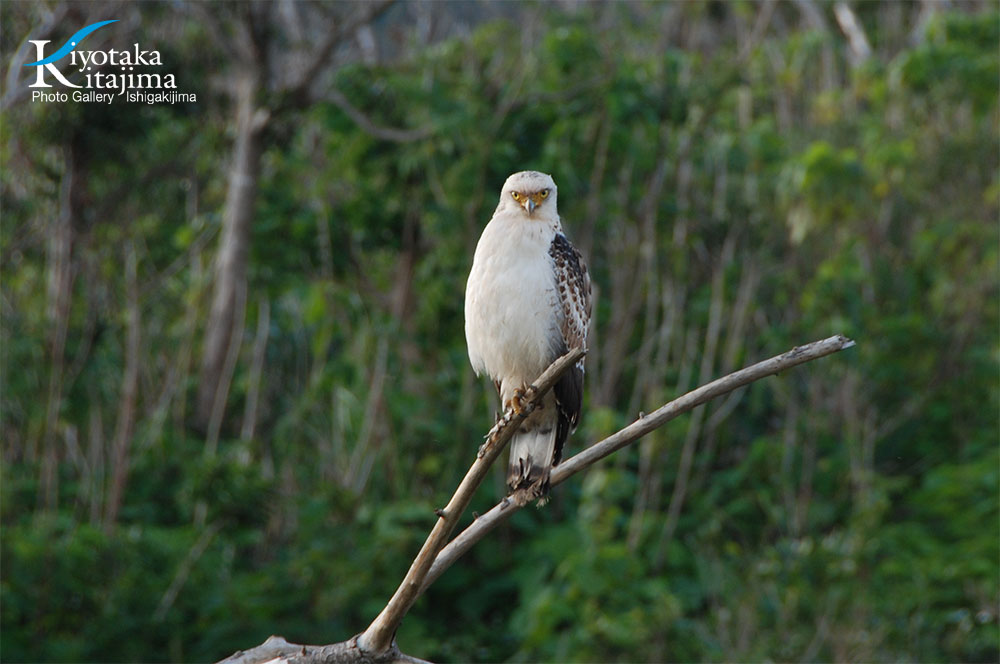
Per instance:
(256,368)
(487,522)
(759,27)
(181,577)
(301,91)
(861,50)
(378,637)
(323,53)
(15,92)
(276,649)
(377,645)
(369,126)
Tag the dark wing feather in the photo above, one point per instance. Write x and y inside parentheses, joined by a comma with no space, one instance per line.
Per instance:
(573,286)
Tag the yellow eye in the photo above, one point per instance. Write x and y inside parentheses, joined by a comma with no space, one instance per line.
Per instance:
(516,195)
(545,193)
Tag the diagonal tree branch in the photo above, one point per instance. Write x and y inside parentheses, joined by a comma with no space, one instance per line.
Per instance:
(378,637)
(861,48)
(368,125)
(633,432)
(322,55)
(376,645)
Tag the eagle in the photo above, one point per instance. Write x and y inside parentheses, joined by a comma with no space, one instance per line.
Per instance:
(527,302)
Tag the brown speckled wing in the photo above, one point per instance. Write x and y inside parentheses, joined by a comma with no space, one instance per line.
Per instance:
(573,284)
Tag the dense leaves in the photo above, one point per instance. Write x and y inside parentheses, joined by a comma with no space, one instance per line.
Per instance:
(733,198)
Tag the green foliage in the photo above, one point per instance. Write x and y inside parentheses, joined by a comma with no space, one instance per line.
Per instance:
(846,511)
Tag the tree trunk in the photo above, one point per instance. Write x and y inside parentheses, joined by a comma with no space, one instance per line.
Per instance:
(58,300)
(234,246)
(125,427)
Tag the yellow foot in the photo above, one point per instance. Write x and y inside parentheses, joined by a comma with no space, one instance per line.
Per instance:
(516,402)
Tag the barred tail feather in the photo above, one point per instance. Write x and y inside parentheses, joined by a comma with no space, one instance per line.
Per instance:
(531,455)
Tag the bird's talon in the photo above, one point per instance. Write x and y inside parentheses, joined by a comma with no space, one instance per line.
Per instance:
(517,400)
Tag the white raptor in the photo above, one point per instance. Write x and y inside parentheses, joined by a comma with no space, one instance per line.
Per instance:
(526,303)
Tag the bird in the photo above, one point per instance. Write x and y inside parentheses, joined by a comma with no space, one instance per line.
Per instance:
(527,302)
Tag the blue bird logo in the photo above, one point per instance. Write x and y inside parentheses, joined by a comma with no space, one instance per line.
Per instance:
(70,44)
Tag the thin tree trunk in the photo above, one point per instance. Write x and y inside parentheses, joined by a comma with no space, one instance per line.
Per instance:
(256,369)
(234,248)
(60,288)
(129,394)
(813,15)
(95,457)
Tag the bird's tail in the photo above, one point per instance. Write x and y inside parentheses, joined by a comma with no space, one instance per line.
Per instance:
(532,452)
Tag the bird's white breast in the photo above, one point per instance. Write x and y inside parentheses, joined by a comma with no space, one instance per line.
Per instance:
(511,305)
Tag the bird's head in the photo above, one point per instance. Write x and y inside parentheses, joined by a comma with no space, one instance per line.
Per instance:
(532,192)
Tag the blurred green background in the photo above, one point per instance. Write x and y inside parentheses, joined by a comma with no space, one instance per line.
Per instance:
(235,383)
